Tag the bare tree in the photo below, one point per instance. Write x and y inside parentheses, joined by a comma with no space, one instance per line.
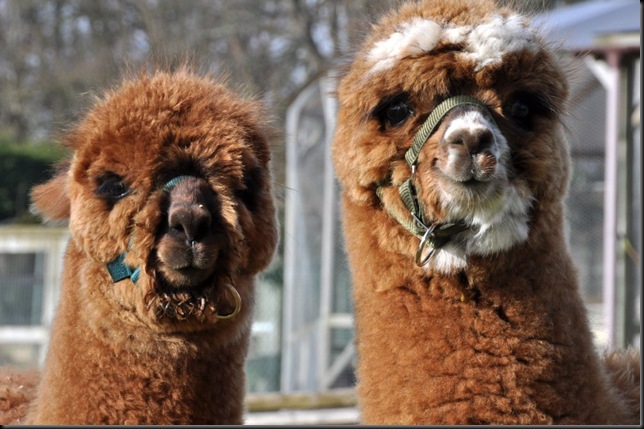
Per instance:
(53,50)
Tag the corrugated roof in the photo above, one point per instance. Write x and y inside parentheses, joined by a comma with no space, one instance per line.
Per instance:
(580,25)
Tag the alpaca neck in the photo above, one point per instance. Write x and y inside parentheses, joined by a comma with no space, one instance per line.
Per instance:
(180,382)
(504,340)
(101,370)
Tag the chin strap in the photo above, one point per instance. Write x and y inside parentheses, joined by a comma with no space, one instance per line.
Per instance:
(117,268)
(432,234)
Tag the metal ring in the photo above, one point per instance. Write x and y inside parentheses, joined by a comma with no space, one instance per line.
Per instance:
(421,247)
(238,303)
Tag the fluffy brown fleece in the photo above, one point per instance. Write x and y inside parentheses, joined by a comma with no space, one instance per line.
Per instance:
(161,349)
(17,390)
(491,329)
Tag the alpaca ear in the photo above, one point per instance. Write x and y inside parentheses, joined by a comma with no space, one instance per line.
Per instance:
(50,200)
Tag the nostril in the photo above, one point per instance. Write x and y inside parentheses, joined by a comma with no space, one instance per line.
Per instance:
(201,227)
(190,222)
(177,219)
(485,141)
(474,141)
(457,138)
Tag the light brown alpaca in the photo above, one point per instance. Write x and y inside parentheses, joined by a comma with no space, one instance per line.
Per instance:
(168,196)
(470,313)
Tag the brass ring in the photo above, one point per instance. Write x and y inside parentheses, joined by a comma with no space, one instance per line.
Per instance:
(238,303)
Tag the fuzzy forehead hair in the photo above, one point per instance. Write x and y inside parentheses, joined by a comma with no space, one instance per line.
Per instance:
(484,44)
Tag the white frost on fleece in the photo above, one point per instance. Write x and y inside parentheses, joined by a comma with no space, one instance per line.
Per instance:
(414,37)
(485,44)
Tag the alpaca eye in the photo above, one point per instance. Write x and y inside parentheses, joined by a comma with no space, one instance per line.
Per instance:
(111,188)
(523,108)
(394,111)
(398,113)
(519,110)
(249,195)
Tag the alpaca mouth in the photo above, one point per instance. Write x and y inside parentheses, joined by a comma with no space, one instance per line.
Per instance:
(475,184)
(471,179)
(185,265)
(186,277)
(471,182)
(192,284)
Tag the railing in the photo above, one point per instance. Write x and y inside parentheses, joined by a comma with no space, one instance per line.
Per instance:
(337,406)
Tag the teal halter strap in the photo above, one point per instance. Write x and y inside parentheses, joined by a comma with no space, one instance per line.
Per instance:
(433,234)
(117,268)
(173,182)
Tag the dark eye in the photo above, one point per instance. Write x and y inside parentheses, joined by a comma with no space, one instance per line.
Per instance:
(249,195)
(524,107)
(111,188)
(394,111)
(519,110)
(397,113)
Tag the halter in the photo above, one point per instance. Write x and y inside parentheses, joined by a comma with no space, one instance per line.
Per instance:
(432,234)
(119,270)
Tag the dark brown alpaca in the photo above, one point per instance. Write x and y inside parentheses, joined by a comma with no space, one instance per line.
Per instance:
(168,196)
(454,168)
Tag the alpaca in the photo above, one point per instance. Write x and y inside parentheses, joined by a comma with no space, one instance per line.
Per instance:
(453,165)
(171,216)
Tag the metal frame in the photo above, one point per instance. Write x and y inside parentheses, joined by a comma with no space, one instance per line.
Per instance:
(306,361)
(52,241)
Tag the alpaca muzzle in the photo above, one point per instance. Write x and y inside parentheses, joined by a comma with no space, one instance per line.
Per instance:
(191,241)
(432,234)
(191,221)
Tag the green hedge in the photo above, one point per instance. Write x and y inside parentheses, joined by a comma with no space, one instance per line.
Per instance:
(21,167)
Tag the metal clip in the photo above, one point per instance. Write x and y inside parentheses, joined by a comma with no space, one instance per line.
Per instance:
(420,261)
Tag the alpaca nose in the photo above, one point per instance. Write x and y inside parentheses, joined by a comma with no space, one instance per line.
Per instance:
(475,141)
(191,221)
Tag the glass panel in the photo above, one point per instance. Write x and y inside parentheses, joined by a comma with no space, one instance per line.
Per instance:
(21,288)
(342,299)
(340,339)
(264,355)
(585,216)
(585,203)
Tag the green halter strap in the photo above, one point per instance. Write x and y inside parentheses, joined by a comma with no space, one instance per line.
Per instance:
(433,234)
(117,268)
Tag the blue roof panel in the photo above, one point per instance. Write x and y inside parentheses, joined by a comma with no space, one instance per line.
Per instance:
(577,26)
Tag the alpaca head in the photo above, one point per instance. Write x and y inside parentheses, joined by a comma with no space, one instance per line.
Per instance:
(478,95)
(168,198)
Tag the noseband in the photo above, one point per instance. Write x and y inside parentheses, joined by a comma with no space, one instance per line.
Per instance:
(432,234)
